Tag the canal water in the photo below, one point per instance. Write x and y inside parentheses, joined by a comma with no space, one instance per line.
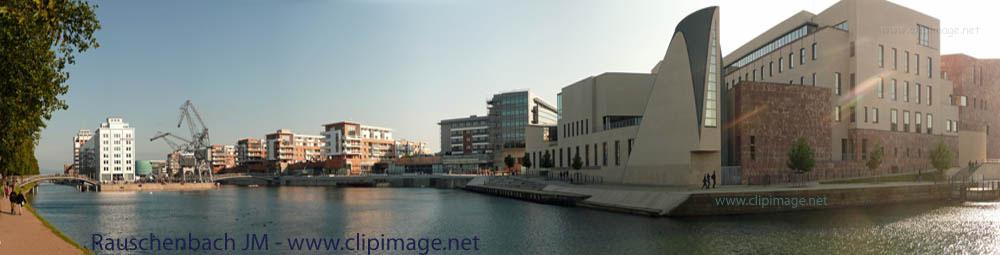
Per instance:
(505,226)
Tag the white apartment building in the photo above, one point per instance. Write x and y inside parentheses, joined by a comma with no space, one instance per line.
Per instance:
(109,155)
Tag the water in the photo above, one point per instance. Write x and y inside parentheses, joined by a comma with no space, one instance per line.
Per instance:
(507,226)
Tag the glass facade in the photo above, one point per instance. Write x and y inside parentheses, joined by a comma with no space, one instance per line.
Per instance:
(774,45)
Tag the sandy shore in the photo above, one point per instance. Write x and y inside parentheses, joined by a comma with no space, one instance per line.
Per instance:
(25,234)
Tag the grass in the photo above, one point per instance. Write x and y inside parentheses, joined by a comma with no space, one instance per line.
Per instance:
(47,224)
(925,176)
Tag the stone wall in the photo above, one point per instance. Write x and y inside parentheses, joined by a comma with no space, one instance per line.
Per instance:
(904,152)
(769,118)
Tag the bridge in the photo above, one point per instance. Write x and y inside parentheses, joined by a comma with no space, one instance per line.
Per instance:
(56,177)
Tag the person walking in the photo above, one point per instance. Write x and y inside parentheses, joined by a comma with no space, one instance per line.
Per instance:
(13,199)
(704,182)
(20,202)
(713,180)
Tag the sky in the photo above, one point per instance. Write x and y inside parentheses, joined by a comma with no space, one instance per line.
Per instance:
(252,67)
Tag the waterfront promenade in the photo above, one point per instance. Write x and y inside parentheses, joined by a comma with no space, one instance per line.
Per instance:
(26,234)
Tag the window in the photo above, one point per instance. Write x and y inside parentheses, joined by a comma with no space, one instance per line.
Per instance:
(604,153)
(918,90)
(923,35)
(843,26)
(906,121)
(852,49)
(918,119)
(711,86)
(802,56)
(893,120)
(802,80)
(906,91)
(880,89)
(892,90)
(930,67)
(851,109)
(836,82)
(814,80)
(770,69)
(814,46)
(917,59)
(864,148)
(930,123)
(963,101)
(781,64)
(836,113)
(791,61)
(907,61)
(880,56)
(895,61)
(753,148)
(874,115)
(866,114)
(844,149)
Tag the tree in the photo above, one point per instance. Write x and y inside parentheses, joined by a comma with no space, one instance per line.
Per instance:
(577,161)
(509,161)
(941,158)
(875,159)
(38,39)
(547,160)
(526,160)
(800,157)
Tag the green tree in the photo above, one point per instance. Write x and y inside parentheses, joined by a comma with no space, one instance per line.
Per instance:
(509,161)
(800,157)
(875,159)
(547,161)
(38,39)
(526,160)
(941,158)
(577,161)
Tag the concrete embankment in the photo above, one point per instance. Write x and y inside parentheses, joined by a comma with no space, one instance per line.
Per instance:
(134,187)
(518,189)
(754,201)
(734,200)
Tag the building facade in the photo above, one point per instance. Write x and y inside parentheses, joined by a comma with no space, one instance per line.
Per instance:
(977,86)
(512,112)
(79,140)
(361,148)
(109,154)
(467,144)
(222,157)
(407,148)
(250,151)
(657,128)
(285,147)
(881,63)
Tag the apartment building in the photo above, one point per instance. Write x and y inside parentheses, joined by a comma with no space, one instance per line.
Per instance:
(79,140)
(657,128)
(222,157)
(285,147)
(250,151)
(881,63)
(360,148)
(109,154)
(407,148)
(977,88)
(466,144)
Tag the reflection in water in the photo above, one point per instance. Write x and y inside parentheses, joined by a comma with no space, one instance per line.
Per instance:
(508,226)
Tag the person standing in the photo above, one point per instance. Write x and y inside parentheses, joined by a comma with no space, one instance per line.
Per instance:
(20,202)
(13,199)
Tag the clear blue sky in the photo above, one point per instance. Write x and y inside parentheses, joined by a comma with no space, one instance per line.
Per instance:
(252,67)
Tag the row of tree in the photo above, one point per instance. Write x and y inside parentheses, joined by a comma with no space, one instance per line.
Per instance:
(38,39)
(801,159)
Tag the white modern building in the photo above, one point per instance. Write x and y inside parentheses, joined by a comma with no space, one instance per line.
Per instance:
(109,155)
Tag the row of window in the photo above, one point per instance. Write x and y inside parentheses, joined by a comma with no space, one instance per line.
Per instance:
(576,128)
(980,104)
(880,60)
(590,154)
(893,95)
(752,74)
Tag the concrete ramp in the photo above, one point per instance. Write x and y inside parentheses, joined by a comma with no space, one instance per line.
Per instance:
(653,203)
(478,181)
(988,171)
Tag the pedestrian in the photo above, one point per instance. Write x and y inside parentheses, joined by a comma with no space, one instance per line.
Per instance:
(13,200)
(20,202)
(704,182)
(713,180)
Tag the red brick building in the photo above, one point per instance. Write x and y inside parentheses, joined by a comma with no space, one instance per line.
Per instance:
(977,85)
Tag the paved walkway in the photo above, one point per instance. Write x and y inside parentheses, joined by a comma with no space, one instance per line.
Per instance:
(25,234)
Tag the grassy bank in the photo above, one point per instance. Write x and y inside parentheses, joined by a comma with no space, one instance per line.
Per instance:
(47,224)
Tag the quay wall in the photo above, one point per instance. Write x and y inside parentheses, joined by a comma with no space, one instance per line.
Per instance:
(134,187)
